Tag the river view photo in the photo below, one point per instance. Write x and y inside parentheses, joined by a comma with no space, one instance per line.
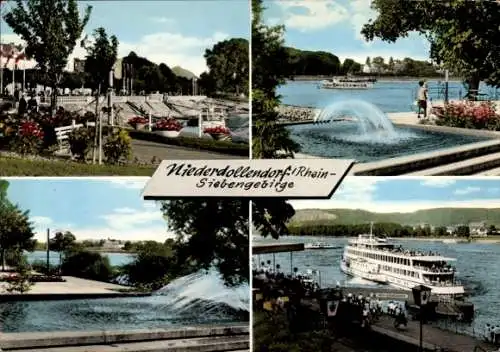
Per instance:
(389,96)
(477,266)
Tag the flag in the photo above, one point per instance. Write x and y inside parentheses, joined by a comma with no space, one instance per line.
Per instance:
(118,68)
(331,308)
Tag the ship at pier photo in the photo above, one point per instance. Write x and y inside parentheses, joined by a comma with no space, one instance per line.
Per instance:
(408,263)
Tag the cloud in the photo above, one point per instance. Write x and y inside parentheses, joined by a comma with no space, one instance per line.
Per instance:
(129,182)
(314,14)
(467,190)
(122,223)
(361,13)
(438,182)
(171,48)
(357,189)
(163,20)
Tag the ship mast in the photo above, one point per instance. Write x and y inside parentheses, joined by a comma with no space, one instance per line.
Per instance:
(371,229)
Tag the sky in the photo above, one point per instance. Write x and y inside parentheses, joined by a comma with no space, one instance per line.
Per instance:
(334,26)
(172,32)
(90,208)
(397,194)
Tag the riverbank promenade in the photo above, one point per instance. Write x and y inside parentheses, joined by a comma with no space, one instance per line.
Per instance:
(209,338)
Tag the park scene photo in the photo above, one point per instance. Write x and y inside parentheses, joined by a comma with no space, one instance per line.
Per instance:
(86,93)
(100,266)
(403,88)
(386,264)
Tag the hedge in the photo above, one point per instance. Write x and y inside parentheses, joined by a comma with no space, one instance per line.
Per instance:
(24,167)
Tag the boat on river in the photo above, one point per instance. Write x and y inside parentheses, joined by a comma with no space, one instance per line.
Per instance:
(319,245)
(346,83)
(379,260)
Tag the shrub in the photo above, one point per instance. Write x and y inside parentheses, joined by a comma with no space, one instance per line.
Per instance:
(118,146)
(468,115)
(29,138)
(87,265)
(167,125)
(41,267)
(80,140)
(21,282)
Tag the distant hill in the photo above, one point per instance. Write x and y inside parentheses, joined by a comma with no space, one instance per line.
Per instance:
(182,72)
(435,217)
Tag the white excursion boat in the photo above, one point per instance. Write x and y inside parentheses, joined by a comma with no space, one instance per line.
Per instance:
(346,83)
(376,259)
(318,245)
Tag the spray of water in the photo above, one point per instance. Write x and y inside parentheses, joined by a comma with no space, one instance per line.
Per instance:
(373,125)
(204,290)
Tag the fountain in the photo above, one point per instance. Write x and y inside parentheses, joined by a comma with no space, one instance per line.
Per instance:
(355,129)
(199,298)
(372,124)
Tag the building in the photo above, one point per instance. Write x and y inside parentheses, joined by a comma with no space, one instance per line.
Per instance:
(111,244)
(78,65)
(478,229)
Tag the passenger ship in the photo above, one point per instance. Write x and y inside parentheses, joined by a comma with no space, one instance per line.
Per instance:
(346,83)
(376,259)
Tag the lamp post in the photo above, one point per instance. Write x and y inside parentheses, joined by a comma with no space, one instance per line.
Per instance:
(421,295)
(446,79)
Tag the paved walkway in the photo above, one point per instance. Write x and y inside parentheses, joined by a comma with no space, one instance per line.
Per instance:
(145,151)
(73,285)
(432,336)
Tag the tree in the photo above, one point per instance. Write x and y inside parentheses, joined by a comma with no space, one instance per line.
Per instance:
(61,243)
(100,59)
(391,65)
(378,64)
(22,281)
(492,230)
(51,29)
(461,42)
(87,265)
(269,57)
(228,65)
(463,231)
(16,230)
(368,62)
(212,232)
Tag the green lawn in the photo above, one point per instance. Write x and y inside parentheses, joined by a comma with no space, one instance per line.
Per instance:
(23,167)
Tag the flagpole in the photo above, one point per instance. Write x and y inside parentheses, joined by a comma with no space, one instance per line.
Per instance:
(24,78)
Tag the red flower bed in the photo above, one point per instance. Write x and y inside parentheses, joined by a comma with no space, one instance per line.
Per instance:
(30,129)
(167,125)
(137,120)
(469,115)
(217,130)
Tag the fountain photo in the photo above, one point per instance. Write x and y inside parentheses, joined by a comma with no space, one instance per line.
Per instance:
(356,87)
(88,262)
(387,264)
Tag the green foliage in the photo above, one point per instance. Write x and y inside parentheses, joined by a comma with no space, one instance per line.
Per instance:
(16,230)
(87,265)
(80,140)
(458,40)
(312,63)
(101,56)
(118,146)
(212,232)
(10,166)
(270,139)
(435,217)
(41,267)
(228,66)
(21,283)
(155,265)
(51,30)
(62,242)
(225,147)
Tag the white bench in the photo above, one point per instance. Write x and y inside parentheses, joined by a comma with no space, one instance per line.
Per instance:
(62,135)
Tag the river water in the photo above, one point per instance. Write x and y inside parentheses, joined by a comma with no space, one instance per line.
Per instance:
(115,259)
(477,266)
(389,96)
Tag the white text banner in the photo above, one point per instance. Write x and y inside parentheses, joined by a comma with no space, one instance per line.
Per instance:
(257,178)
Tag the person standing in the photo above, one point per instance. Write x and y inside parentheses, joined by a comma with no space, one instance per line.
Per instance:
(21,109)
(422,98)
